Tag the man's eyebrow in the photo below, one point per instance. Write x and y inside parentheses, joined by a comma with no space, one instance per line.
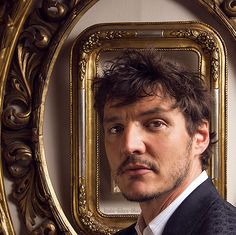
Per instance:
(111,119)
(156,110)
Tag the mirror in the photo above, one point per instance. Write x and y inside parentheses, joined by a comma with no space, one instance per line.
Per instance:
(97,206)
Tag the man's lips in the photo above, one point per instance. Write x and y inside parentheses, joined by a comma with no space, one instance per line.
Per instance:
(135,165)
(136,169)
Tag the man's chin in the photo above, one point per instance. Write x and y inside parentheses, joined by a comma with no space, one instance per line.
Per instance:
(140,197)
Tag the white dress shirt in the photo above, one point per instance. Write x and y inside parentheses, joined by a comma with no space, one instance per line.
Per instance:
(156,226)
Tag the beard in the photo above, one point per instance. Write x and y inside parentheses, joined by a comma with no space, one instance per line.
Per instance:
(141,198)
(144,197)
(177,175)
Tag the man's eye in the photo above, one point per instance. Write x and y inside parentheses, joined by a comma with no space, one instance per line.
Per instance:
(115,129)
(157,124)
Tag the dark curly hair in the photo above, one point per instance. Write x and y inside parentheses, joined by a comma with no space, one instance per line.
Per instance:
(135,74)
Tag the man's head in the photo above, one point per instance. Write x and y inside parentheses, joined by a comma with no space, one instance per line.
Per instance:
(135,75)
(156,118)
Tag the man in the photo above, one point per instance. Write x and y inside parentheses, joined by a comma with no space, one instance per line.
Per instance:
(156,118)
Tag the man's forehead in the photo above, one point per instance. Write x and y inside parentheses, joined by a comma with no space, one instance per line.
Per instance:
(122,103)
(143,107)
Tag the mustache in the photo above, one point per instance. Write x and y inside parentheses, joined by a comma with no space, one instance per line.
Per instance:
(134,159)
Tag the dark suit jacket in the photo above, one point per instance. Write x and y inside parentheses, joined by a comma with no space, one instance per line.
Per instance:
(203,212)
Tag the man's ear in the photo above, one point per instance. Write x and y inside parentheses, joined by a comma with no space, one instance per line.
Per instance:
(201,138)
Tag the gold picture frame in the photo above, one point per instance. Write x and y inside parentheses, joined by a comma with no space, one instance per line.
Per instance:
(193,43)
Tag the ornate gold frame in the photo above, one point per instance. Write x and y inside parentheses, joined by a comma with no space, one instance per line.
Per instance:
(31,37)
(183,39)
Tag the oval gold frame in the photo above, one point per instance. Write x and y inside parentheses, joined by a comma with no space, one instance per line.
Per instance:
(22,69)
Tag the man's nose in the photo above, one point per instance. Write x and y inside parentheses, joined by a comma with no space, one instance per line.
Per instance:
(133,142)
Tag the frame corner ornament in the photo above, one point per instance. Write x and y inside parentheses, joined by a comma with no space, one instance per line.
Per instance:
(224,10)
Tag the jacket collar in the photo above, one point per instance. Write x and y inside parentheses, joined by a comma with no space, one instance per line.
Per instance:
(190,212)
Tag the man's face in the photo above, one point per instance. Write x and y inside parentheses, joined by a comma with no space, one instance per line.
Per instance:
(148,147)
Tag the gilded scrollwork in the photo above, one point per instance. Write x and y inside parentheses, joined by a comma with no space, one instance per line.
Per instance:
(47,227)
(224,10)
(20,115)
(19,139)
(55,10)
(229,7)
(18,99)
(11,16)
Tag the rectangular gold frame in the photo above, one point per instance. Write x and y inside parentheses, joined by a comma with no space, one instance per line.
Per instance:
(89,51)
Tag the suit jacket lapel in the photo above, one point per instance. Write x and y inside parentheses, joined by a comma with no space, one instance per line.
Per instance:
(189,214)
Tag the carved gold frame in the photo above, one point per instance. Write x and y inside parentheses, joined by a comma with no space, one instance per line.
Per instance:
(31,37)
(173,38)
